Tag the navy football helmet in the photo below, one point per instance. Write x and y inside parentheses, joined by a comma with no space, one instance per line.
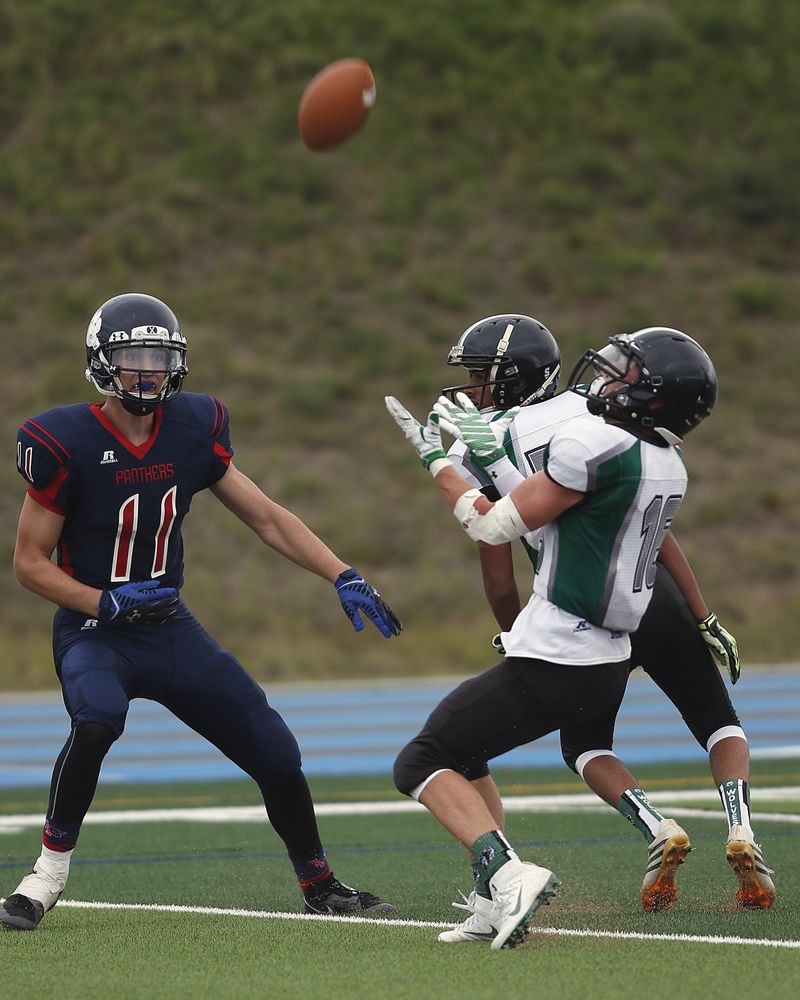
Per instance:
(519,355)
(657,378)
(136,333)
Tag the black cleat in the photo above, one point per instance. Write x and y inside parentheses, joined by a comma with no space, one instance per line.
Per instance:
(18,913)
(334,897)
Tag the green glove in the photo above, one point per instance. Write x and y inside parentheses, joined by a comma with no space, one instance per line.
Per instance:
(723,646)
(427,439)
(464,421)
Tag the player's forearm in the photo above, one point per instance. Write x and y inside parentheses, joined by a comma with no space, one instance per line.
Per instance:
(44,578)
(499,583)
(286,534)
(674,561)
(452,486)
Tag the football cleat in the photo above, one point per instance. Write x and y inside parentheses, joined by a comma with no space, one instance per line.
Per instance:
(668,850)
(518,890)
(756,889)
(335,897)
(477,926)
(18,913)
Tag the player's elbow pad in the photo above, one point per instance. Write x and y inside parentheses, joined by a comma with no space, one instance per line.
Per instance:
(501,524)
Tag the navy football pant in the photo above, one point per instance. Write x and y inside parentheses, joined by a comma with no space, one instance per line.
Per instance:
(179,665)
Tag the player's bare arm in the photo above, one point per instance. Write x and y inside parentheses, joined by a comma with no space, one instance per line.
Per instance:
(722,644)
(275,526)
(674,561)
(535,502)
(38,533)
(499,583)
(286,534)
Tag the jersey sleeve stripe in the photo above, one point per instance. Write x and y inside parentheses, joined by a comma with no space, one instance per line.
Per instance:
(47,496)
(219,417)
(226,456)
(55,441)
(42,441)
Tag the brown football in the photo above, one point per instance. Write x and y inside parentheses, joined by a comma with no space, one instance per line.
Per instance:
(335,103)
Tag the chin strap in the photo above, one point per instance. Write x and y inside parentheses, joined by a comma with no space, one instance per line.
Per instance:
(668,436)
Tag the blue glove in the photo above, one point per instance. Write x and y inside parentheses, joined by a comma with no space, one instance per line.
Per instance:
(138,604)
(356,595)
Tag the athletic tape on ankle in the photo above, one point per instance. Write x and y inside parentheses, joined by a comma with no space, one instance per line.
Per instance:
(501,524)
(584,758)
(726,732)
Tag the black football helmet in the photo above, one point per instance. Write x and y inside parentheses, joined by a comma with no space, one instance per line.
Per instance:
(668,381)
(139,333)
(519,355)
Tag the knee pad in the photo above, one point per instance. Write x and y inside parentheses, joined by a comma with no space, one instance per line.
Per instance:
(724,733)
(719,718)
(97,698)
(93,691)
(580,762)
(416,763)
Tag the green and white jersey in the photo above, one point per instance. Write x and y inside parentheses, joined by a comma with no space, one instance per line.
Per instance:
(597,560)
(525,442)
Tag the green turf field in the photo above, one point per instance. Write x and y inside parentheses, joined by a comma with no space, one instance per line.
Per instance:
(592,942)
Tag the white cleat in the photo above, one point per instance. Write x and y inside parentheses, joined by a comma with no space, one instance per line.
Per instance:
(477,926)
(518,890)
(34,896)
(756,889)
(664,855)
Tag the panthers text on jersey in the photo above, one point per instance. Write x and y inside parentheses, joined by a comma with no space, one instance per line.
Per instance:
(123,503)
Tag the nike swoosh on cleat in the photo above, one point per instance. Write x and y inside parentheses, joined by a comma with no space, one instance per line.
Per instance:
(515,911)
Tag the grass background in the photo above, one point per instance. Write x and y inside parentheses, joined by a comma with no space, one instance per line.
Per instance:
(411,860)
(600,165)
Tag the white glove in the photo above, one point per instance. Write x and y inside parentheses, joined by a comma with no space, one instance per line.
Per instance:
(426,440)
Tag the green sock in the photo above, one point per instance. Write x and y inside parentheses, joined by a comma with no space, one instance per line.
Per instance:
(636,807)
(490,851)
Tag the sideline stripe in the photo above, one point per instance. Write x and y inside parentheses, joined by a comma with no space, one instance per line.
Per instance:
(435,925)
(574,802)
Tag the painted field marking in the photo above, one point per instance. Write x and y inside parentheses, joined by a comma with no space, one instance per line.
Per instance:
(217,911)
(576,802)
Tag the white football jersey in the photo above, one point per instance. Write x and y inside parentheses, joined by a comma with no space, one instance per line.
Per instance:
(596,562)
(525,443)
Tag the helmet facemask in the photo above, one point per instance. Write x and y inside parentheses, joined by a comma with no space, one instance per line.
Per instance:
(136,335)
(159,368)
(658,379)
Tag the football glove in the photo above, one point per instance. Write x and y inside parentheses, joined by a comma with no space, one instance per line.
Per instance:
(358,596)
(484,438)
(723,646)
(138,604)
(427,439)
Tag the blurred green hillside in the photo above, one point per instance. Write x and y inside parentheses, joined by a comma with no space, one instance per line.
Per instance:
(602,166)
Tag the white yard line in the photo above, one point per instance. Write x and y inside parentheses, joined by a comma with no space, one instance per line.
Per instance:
(217,911)
(578,802)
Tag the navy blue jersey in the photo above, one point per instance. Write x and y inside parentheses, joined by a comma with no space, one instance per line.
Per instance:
(123,503)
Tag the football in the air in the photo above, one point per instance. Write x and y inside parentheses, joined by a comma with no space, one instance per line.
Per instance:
(336,103)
